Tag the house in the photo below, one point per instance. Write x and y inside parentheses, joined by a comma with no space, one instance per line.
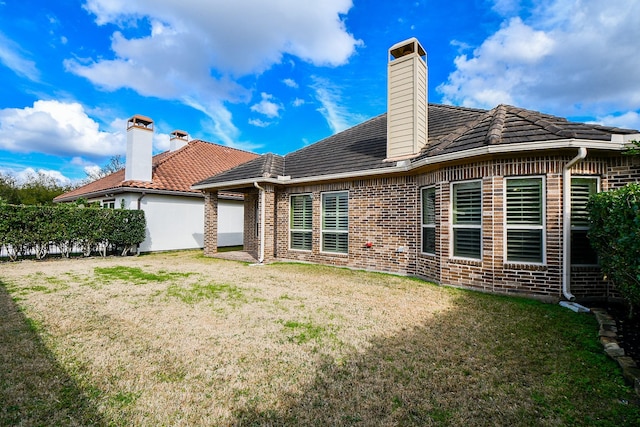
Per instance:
(161,186)
(490,200)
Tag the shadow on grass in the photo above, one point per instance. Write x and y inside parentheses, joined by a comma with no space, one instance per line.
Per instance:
(34,389)
(489,361)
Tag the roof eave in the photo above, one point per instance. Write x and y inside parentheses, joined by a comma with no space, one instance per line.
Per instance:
(121,190)
(615,145)
(521,147)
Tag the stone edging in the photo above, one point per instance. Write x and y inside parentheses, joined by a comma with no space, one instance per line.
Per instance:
(608,334)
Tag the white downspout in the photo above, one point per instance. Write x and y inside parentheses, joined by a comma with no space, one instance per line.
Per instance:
(263,211)
(566,223)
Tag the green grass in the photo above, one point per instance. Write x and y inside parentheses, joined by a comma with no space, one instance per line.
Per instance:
(135,275)
(210,292)
(303,332)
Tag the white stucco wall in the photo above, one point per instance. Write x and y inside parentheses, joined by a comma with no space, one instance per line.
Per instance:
(175,222)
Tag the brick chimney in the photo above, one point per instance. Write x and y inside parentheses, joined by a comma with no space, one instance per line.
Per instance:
(179,139)
(139,149)
(407,100)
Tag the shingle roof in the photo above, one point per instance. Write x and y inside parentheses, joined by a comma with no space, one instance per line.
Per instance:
(451,129)
(174,171)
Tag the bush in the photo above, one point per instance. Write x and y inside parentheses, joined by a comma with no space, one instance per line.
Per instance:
(615,235)
(36,229)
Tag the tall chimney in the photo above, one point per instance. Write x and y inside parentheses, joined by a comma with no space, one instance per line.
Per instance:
(139,149)
(407,100)
(179,139)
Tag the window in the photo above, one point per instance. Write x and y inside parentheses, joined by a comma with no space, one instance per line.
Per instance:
(300,222)
(525,220)
(581,250)
(467,219)
(109,204)
(429,220)
(335,222)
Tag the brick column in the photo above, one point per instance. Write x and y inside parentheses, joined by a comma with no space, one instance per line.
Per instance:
(269,223)
(210,223)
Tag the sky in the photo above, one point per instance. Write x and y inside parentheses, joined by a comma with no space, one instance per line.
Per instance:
(275,76)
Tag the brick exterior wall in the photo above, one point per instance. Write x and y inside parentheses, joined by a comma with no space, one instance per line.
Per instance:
(386,212)
(210,223)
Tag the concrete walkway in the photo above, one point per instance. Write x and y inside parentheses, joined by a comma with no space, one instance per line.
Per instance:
(236,256)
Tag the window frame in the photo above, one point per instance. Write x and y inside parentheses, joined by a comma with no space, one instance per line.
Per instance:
(581,228)
(454,226)
(108,204)
(300,230)
(427,225)
(325,231)
(520,226)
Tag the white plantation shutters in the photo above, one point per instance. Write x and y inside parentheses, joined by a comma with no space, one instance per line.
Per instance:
(335,222)
(581,250)
(525,220)
(467,219)
(429,220)
(300,222)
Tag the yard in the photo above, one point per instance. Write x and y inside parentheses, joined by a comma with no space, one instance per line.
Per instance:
(179,339)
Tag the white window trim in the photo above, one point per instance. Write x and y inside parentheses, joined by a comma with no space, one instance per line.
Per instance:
(291,196)
(423,226)
(542,227)
(106,204)
(453,226)
(322,230)
(582,228)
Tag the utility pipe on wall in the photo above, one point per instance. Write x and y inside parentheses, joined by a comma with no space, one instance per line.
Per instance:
(566,223)
(263,211)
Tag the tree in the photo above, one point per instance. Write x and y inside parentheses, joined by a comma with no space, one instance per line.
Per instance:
(115,164)
(40,189)
(9,189)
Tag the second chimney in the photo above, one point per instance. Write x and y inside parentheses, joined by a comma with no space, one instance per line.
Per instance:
(179,139)
(407,100)
(138,164)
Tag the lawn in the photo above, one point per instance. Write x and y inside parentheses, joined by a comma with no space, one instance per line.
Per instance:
(179,339)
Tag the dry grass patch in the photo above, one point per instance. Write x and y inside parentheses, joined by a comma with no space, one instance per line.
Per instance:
(177,339)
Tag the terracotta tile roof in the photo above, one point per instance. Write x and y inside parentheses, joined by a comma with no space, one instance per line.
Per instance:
(451,129)
(172,171)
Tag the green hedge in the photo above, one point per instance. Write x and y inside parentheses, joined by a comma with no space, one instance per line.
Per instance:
(33,230)
(615,235)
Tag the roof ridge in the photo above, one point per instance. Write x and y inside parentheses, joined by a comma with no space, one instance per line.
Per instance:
(540,119)
(496,127)
(461,130)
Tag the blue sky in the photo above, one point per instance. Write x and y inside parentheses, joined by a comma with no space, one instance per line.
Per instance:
(274,76)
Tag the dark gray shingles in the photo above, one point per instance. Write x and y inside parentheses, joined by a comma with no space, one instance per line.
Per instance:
(451,129)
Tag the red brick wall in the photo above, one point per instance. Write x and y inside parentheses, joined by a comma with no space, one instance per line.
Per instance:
(386,212)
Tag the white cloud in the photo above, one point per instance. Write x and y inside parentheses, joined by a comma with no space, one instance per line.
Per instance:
(56,128)
(29,173)
(195,47)
(12,56)
(332,108)
(298,102)
(266,106)
(567,57)
(259,123)
(628,120)
(291,83)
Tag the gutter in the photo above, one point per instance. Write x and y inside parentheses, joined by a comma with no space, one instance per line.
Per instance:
(400,167)
(566,223)
(262,225)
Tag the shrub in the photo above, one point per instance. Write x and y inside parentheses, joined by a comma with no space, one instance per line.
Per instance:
(615,235)
(35,229)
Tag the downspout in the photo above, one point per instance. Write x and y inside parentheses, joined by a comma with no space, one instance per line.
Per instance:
(263,211)
(140,199)
(566,223)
